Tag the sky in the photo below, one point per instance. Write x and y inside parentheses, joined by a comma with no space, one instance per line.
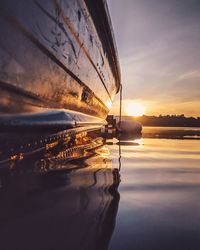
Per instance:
(158,45)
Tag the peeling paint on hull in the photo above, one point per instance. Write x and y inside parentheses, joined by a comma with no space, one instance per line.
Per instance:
(56,54)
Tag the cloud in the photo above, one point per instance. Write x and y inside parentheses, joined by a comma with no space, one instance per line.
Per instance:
(189,75)
(159,49)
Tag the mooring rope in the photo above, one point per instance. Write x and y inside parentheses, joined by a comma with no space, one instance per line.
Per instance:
(120,107)
(120,119)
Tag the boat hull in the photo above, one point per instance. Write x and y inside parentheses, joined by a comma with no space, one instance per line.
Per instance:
(54,55)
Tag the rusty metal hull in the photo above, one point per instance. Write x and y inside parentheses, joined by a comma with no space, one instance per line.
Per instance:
(56,55)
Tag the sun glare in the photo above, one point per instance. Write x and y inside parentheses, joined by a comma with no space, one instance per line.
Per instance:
(134,109)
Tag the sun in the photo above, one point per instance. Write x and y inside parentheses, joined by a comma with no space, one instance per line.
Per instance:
(134,109)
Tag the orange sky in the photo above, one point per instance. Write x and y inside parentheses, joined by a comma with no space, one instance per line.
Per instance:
(159,52)
(154,108)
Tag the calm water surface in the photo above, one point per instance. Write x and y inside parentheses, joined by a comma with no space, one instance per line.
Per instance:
(159,195)
(137,194)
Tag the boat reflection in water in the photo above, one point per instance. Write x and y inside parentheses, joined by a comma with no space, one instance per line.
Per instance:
(71,209)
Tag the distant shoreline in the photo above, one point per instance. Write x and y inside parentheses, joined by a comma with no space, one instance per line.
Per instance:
(170,126)
(166,121)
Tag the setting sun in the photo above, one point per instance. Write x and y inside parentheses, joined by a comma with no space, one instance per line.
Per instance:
(134,109)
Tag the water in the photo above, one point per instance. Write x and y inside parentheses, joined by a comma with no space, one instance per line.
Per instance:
(159,195)
(137,194)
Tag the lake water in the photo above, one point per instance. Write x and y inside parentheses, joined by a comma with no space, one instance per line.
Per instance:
(136,194)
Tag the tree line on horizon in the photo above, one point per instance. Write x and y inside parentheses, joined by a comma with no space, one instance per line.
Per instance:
(169,120)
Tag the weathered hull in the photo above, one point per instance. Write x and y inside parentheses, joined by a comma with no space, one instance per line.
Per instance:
(56,55)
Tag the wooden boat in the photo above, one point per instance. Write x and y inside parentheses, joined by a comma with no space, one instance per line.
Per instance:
(58,63)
